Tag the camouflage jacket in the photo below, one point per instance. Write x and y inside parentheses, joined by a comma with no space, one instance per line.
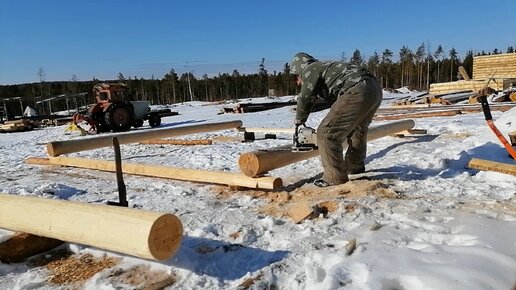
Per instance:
(325,80)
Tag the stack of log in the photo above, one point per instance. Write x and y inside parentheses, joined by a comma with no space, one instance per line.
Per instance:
(17,126)
(496,71)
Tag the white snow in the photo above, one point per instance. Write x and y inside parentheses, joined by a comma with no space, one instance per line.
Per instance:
(451,228)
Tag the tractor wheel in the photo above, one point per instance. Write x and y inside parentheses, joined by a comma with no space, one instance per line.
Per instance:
(154,121)
(119,117)
(138,123)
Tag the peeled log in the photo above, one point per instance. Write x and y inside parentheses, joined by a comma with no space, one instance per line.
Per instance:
(259,162)
(226,178)
(177,142)
(144,234)
(57,148)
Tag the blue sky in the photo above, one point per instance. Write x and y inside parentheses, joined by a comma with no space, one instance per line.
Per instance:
(147,38)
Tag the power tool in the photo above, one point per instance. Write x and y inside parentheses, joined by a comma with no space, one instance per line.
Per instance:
(305,139)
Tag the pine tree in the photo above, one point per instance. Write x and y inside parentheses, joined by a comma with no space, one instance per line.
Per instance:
(373,63)
(438,54)
(385,66)
(453,58)
(420,55)
(468,62)
(357,58)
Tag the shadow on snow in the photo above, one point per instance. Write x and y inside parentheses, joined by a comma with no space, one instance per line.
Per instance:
(222,260)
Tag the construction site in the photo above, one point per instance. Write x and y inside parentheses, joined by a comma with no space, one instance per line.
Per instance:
(211,195)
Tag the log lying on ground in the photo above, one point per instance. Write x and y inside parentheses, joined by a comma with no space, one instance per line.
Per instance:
(22,246)
(417,115)
(177,142)
(57,148)
(144,234)
(268,130)
(196,175)
(482,164)
(259,162)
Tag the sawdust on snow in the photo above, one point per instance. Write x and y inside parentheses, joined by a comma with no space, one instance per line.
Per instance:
(325,200)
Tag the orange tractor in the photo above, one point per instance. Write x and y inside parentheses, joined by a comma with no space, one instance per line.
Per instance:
(114,110)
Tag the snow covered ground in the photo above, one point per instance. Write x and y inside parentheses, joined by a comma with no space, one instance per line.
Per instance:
(421,221)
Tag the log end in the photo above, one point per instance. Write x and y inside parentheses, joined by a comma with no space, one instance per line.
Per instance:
(249,164)
(50,149)
(165,237)
(277,183)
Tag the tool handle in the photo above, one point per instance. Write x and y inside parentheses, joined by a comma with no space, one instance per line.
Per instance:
(485,107)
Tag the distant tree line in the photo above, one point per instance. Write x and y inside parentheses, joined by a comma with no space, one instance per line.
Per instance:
(413,68)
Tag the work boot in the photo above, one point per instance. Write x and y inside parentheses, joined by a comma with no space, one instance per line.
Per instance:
(321,183)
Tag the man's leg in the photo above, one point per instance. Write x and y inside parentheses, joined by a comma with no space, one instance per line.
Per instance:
(357,141)
(348,111)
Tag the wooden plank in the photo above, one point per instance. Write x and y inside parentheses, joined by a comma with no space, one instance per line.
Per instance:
(144,234)
(413,131)
(463,73)
(483,164)
(300,211)
(177,142)
(22,246)
(195,175)
(258,162)
(268,130)
(417,115)
(57,148)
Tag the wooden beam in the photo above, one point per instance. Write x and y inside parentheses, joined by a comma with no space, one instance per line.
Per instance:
(483,164)
(417,115)
(144,234)
(57,148)
(463,73)
(196,175)
(256,163)
(21,246)
(268,130)
(177,142)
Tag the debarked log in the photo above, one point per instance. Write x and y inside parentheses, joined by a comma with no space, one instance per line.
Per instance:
(186,174)
(177,142)
(482,164)
(57,148)
(144,234)
(256,163)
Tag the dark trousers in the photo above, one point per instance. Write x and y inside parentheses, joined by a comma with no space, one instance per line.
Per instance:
(348,121)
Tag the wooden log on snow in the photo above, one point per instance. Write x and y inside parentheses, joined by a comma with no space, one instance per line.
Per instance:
(417,115)
(57,148)
(21,246)
(268,130)
(256,163)
(177,142)
(196,175)
(140,233)
(482,164)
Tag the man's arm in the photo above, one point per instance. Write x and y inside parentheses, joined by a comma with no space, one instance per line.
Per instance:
(306,98)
